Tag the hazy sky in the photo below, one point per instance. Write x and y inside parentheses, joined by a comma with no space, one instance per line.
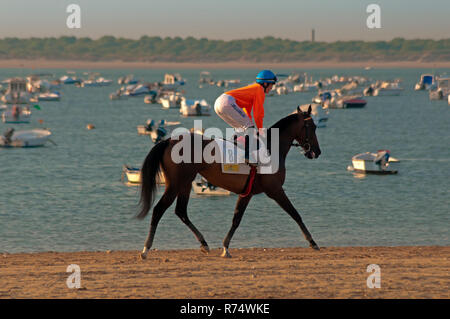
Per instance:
(228,19)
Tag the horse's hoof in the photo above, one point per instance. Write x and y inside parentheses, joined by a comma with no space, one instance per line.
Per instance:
(225,253)
(204,249)
(142,256)
(314,246)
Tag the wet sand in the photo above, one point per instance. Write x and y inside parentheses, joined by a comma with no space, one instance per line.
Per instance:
(62,64)
(332,272)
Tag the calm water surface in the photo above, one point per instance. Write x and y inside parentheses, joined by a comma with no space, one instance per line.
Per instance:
(70,197)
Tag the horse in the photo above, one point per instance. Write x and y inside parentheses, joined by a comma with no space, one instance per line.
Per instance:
(298,126)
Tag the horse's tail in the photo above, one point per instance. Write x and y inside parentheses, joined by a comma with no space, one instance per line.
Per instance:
(149,172)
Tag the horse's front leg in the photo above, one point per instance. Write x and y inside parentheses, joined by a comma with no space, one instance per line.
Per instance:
(239,210)
(280,197)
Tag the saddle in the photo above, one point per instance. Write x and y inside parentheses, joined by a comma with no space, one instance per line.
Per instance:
(232,157)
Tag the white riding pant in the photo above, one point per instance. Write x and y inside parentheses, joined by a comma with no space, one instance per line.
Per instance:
(227,109)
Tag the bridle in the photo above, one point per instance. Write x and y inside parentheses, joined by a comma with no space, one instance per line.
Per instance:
(306,146)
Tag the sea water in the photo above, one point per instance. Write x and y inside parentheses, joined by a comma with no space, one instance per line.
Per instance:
(70,197)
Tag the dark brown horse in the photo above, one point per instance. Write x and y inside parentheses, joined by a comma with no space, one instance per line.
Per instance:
(298,126)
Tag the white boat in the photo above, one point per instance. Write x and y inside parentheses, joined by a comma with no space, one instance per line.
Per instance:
(374,163)
(49,96)
(170,101)
(158,131)
(201,186)
(129,79)
(27,138)
(120,94)
(69,80)
(136,90)
(96,83)
(319,114)
(151,98)
(388,89)
(441,91)
(425,83)
(282,90)
(205,78)
(304,87)
(17,92)
(133,175)
(232,84)
(194,107)
(172,81)
(323,97)
(17,115)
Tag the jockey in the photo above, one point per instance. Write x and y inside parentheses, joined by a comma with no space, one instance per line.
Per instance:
(235,106)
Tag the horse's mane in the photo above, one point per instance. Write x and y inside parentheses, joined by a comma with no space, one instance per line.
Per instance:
(285,122)
(282,124)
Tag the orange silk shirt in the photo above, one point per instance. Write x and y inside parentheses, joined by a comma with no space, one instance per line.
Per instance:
(251,97)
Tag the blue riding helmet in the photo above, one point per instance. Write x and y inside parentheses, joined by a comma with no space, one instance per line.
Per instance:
(266,76)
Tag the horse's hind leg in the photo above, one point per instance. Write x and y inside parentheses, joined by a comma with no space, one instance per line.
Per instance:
(181,212)
(159,210)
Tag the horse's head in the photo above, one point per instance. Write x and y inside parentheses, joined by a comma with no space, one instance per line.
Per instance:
(306,136)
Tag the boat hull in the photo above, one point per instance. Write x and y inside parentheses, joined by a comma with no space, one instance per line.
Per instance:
(31,138)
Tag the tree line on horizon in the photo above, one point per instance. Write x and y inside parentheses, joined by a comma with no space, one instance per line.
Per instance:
(176,49)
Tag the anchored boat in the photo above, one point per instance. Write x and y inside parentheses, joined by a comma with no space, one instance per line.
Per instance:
(133,175)
(374,163)
(202,187)
(27,138)
(194,107)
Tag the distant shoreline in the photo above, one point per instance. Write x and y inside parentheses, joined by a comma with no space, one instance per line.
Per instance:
(71,64)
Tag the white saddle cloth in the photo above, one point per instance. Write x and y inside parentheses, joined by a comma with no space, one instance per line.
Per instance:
(233,159)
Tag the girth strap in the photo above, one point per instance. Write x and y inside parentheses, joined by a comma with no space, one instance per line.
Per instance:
(249,185)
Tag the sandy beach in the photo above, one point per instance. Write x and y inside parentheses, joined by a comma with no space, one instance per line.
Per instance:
(63,64)
(332,272)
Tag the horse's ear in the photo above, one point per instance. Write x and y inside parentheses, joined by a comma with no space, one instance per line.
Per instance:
(298,109)
(309,110)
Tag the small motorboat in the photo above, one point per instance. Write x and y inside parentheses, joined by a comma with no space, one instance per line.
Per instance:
(388,89)
(158,131)
(319,114)
(374,163)
(137,90)
(27,138)
(441,90)
(49,96)
(202,187)
(133,175)
(194,107)
(172,100)
(426,81)
(354,103)
(118,95)
(151,98)
(17,115)
(172,81)
(96,83)
(66,79)
(16,92)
